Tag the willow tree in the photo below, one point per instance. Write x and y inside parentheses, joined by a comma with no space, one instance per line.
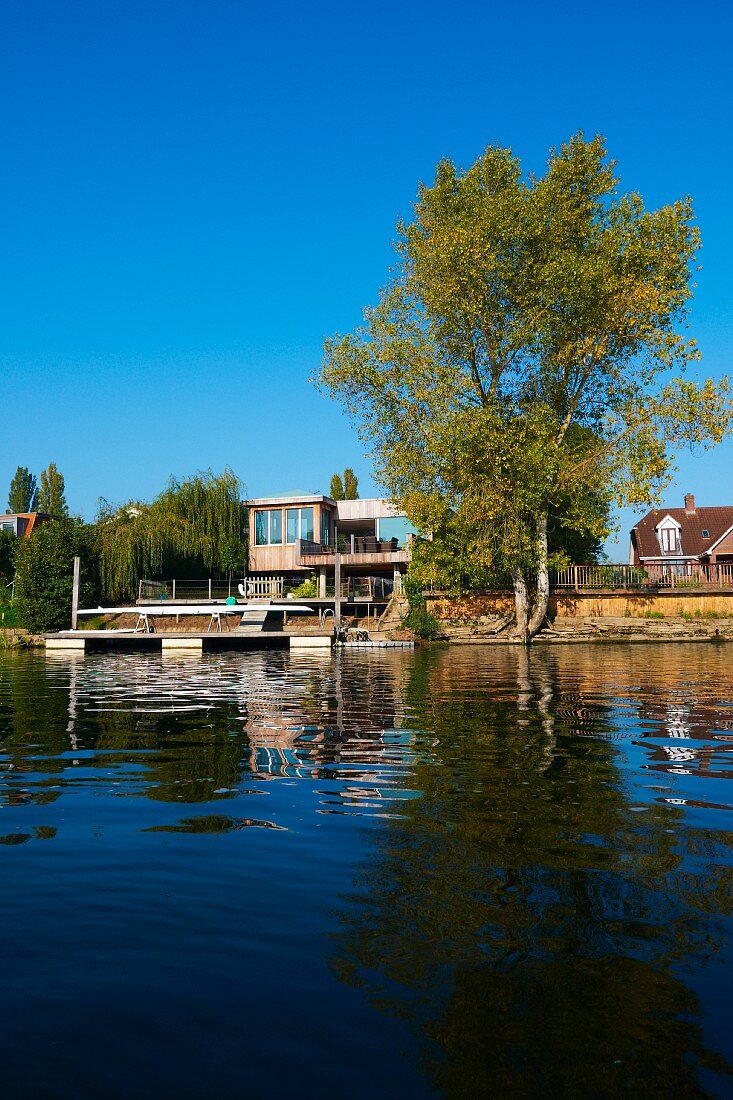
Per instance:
(525,362)
(195,518)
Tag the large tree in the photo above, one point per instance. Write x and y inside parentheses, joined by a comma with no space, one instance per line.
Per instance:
(44,571)
(524,365)
(23,493)
(51,496)
(196,519)
(351,484)
(346,487)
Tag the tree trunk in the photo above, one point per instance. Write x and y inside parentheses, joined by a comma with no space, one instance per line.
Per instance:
(542,597)
(521,604)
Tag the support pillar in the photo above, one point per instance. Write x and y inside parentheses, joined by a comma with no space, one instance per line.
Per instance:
(322,583)
(75,593)
(192,644)
(337,591)
(79,644)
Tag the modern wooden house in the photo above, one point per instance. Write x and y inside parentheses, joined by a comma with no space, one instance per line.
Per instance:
(684,541)
(22,524)
(294,537)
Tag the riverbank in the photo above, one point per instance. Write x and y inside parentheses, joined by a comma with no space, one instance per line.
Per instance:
(594,630)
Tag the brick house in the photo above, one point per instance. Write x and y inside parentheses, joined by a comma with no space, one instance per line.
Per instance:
(680,539)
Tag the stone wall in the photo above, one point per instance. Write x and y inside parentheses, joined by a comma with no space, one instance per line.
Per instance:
(580,605)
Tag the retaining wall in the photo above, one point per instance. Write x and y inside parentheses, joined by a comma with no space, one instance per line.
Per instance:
(581,605)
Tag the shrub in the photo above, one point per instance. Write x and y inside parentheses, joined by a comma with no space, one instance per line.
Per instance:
(422,623)
(45,572)
(307,590)
(653,614)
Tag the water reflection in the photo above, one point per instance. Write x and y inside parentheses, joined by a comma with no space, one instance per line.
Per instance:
(521,860)
(198,729)
(540,912)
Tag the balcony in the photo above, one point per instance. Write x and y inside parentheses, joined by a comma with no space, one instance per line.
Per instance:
(358,550)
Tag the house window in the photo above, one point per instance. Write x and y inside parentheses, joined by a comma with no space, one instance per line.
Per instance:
(705,533)
(668,538)
(299,524)
(292,525)
(324,527)
(269,527)
(306,524)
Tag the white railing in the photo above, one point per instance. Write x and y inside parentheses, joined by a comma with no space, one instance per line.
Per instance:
(662,575)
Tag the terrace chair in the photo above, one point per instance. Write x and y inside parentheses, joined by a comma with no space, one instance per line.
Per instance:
(372,545)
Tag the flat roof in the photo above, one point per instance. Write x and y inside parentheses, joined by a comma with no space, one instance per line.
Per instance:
(302,498)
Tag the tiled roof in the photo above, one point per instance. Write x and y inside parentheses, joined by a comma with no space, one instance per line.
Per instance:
(692,524)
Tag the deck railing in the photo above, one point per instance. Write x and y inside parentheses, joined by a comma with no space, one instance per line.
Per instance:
(663,575)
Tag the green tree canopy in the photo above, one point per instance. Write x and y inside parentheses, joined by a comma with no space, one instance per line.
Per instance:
(51,496)
(524,365)
(351,484)
(44,570)
(8,543)
(23,493)
(193,518)
(346,487)
(336,491)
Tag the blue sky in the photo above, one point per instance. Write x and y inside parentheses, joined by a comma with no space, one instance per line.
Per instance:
(193,195)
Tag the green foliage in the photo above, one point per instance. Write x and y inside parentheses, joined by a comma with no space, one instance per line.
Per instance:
(233,556)
(351,485)
(307,590)
(522,370)
(196,519)
(421,622)
(413,589)
(8,544)
(51,496)
(653,614)
(418,619)
(23,492)
(346,487)
(8,616)
(44,574)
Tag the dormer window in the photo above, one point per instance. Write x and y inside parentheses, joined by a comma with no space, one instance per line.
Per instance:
(669,540)
(705,533)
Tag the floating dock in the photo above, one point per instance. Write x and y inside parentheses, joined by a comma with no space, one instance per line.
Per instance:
(183,641)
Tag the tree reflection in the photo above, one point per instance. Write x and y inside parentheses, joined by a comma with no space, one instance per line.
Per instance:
(519,914)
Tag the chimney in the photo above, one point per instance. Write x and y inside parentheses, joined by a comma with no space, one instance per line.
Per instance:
(689,504)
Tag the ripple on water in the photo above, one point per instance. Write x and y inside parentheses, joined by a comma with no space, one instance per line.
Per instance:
(445,856)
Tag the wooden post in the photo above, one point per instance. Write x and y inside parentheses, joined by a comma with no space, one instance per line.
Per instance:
(75,593)
(209,589)
(337,590)
(174,589)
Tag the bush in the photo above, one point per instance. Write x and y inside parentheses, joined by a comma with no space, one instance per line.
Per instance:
(308,590)
(7,557)
(8,616)
(45,572)
(413,589)
(422,623)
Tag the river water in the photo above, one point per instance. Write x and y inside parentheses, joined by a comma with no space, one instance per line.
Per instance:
(455,872)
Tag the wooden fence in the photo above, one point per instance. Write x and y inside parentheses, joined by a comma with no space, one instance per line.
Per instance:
(664,575)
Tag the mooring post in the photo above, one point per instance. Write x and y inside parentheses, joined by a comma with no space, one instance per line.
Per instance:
(75,593)
(337,590)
